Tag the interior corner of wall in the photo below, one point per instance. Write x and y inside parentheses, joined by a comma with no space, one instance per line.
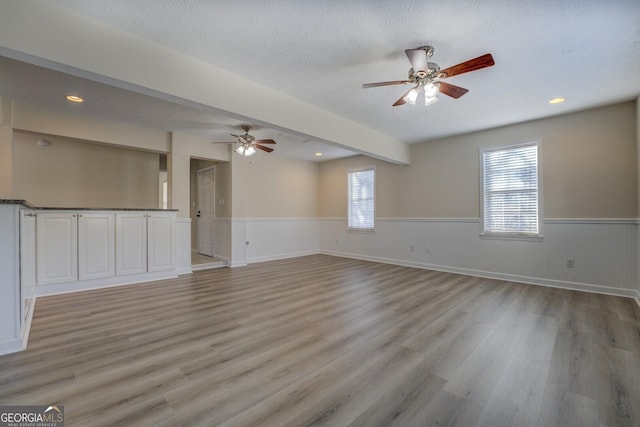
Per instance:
(6,111)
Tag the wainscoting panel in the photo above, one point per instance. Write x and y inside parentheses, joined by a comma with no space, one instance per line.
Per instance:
(603,253)
(278,238)
(183,245)
(222,239)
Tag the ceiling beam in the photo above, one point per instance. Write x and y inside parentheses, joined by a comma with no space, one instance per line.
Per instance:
(51,36)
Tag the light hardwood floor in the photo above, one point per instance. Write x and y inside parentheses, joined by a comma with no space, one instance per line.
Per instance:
(320,340)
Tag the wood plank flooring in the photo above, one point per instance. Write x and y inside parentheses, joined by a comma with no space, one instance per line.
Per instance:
(325,341)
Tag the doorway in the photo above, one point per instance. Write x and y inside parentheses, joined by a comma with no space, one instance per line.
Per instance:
(205,210)
(208,240)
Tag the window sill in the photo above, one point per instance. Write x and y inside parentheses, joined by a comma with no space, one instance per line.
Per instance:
(361,230)
(507,236)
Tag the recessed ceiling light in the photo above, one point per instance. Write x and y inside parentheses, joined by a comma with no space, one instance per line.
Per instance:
(557,100)
(318,154)
(74,98)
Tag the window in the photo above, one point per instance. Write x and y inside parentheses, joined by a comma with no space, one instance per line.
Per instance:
(510,190)
(361,199)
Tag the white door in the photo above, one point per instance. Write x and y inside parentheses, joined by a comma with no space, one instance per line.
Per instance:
(96,240)
(205,217)
(57,248)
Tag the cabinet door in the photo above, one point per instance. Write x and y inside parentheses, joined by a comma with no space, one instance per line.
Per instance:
(27,261)
(131,243)
(161,229)
(57,248)
(96,246)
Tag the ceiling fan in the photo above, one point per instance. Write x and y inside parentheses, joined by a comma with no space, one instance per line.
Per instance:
(427,76)
(247,144)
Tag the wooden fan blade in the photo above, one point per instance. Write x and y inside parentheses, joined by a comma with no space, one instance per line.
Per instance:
(393,82)
(402,101)
(235,136)
(483,61)
(418,59)
(452,90)
(263,148)
(264,141)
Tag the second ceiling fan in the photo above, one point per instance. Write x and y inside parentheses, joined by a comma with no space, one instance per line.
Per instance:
(427,76)
(247,144)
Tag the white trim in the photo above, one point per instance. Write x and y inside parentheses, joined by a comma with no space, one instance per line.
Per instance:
(361,230)
(635,221)
(282,256)
(604,221)
(184,270)
(417,219)
(12,346)
(86,285)
(238,264)
(26,326)
(510,236)
(537,142)
(585,287)
(348,197)
(270,219)
(20,343)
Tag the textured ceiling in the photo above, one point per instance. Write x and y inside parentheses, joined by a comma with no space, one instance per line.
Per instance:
(322,51)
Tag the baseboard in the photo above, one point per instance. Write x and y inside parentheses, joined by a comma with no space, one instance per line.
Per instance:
(576,286)
(19,344)
(26,327)
(281,256)
(184,270)
(637,298)
(235,264)
(87,285)
(12,346)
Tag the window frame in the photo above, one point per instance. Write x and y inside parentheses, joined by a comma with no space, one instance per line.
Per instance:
(493,234)
(348,194)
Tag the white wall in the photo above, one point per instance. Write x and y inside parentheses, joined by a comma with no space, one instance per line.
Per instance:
(590,202)
(6,148)
(184,147)
(9,278)
(36,119)
(638,213)
(275,208)
(604,251)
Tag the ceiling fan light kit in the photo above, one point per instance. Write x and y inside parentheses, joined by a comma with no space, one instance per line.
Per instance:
(427,76)
(245,150)
(246,144)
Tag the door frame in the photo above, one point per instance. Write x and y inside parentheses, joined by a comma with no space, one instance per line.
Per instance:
(198,205)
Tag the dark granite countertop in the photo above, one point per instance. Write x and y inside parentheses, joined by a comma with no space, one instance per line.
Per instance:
(30,206)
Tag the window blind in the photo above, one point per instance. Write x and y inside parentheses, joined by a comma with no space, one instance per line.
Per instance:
(361,199)
(510,190)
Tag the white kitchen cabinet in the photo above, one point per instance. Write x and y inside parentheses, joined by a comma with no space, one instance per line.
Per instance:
(131,243)
(11,324)
(161,241)
(96,245)
(27,262)
(57,248)
(50,251)
(145,242)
